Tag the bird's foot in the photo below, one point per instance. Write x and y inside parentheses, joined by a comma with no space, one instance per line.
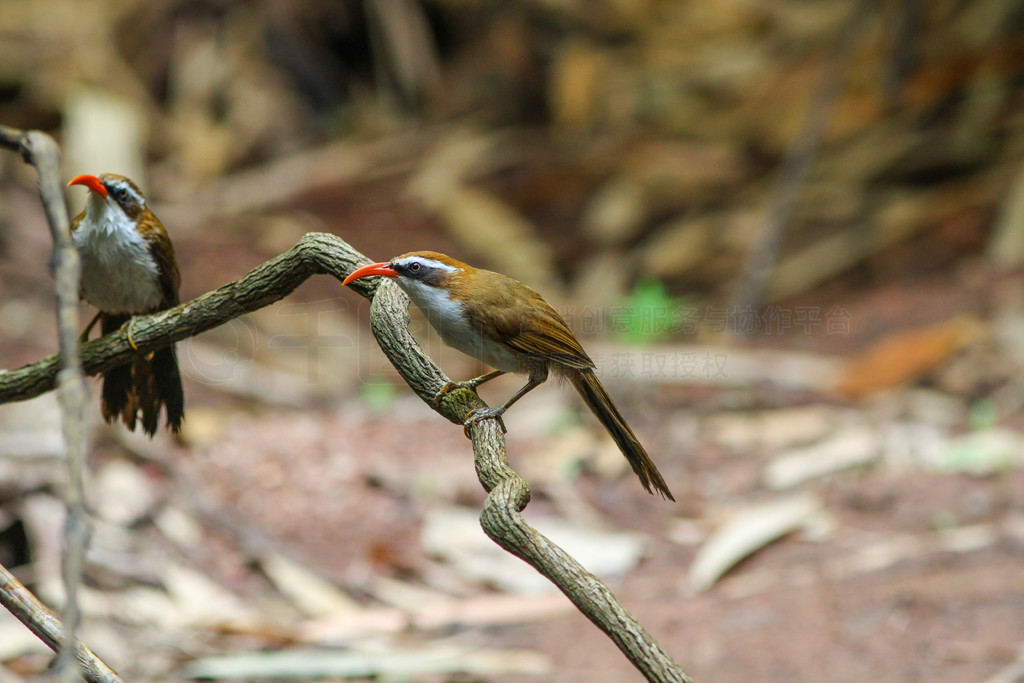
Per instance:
(448,388)
(483,414)
(444,391)
(126,333)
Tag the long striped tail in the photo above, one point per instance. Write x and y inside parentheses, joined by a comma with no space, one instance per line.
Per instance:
(600,403)
(135,391)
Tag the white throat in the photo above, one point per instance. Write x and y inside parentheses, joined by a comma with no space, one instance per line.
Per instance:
(435,302)
(103,215)
(449,318)
(119,274)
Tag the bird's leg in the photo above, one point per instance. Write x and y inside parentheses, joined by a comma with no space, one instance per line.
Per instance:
(84,337)
(485,413)
(470,384)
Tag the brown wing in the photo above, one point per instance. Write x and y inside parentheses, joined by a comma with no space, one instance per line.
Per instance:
(162,251)
(522,319)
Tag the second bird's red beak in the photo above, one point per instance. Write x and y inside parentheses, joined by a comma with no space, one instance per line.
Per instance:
(90,181)
(384,268)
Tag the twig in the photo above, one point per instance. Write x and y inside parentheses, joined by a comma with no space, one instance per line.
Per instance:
(40,150)
(757,269)
(509,493)
(45,624)
(904,49)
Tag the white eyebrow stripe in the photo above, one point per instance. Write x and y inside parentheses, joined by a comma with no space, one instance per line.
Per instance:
(120,184)
(428,262)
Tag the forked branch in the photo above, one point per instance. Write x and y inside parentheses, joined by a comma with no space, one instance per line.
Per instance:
(319,253)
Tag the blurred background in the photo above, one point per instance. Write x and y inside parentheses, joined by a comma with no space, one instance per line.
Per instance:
(790,233)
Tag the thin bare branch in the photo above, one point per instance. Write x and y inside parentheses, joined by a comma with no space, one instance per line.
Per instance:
(41,621)
(40,150)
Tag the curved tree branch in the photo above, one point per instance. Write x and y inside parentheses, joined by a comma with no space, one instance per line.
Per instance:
(509,494)
(315,253)
(319,253)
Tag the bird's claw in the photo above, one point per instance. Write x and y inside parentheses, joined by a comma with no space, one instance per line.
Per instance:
(444,391)
(483,414)
(469,384)
(126,332)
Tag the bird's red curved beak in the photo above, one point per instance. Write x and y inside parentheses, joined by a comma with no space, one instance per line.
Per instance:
(384,268)
(90,181)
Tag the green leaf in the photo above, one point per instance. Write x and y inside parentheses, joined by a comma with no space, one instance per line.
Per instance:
(379,396)
(650,314)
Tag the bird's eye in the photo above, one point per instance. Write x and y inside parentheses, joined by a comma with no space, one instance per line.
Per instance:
(121,194)
(414,267)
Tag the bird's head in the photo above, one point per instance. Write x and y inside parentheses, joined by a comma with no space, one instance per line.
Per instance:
(415,270)
(111,192)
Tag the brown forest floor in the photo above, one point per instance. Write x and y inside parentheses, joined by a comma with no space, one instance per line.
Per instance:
(862,444)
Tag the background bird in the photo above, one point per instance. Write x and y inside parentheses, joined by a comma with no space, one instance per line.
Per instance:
(129,268)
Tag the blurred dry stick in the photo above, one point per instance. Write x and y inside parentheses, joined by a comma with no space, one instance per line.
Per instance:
(477,218)
(403,46)
(391,664)
(748,531)
(40,150)
(326,254)
(617,211)
(680,245)
(494,229)
(576,78)
(760,261)
(1006,249)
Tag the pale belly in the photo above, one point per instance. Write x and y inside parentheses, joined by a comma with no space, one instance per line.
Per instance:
(477,345)
(118,275)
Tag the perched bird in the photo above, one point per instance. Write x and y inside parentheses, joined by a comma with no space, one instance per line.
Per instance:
(128,268)
(505,324)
